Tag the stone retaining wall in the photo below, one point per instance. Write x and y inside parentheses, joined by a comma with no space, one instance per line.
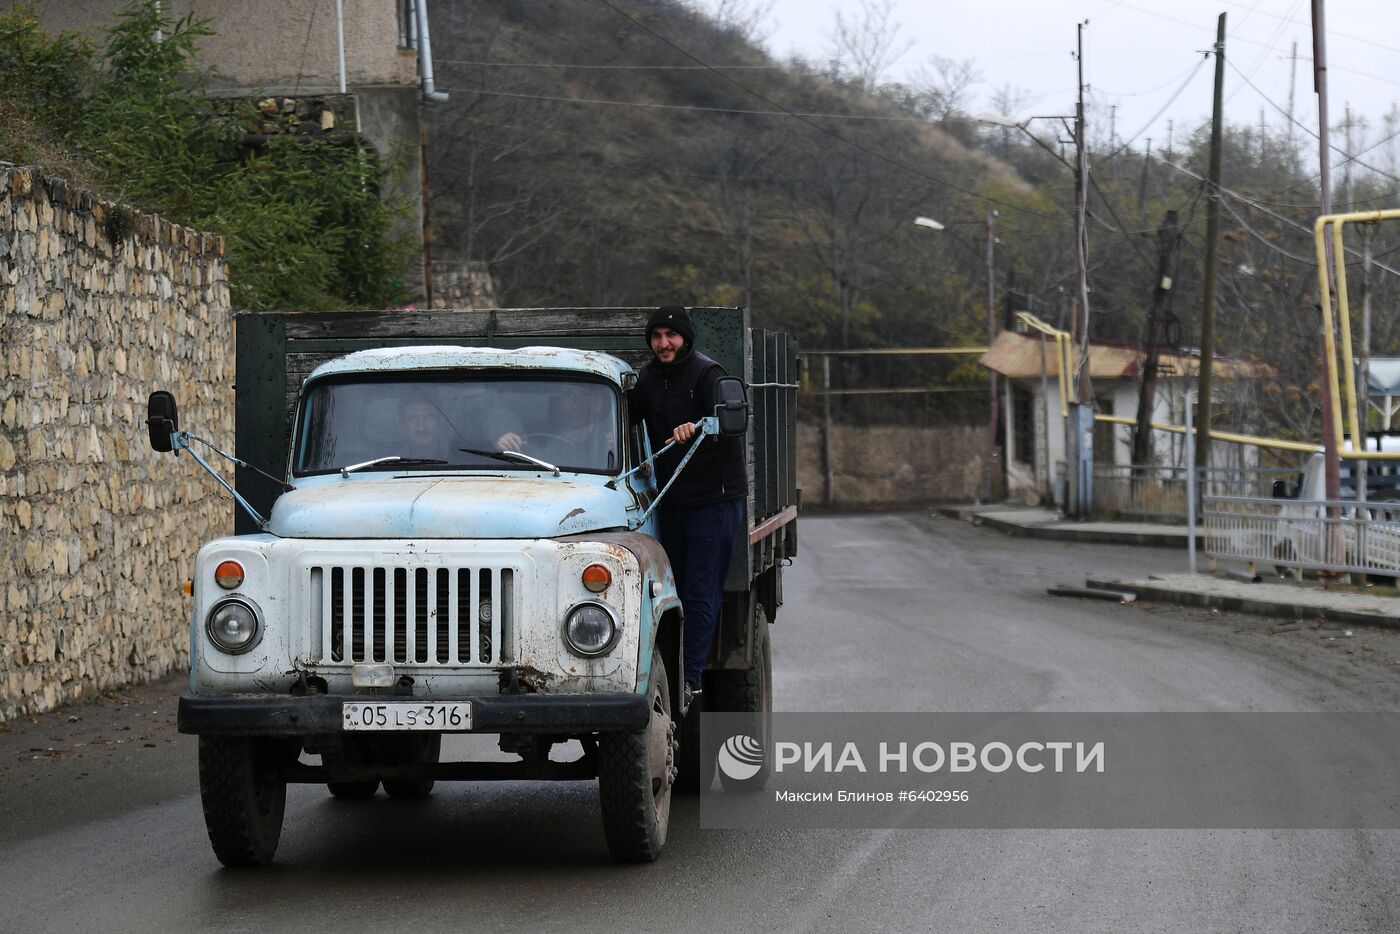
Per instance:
(99,306)
(892,466)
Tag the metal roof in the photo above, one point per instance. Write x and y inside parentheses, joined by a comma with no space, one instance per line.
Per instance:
(1018,356)
(437,357)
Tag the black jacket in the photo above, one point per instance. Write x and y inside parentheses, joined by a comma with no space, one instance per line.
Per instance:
(684,391)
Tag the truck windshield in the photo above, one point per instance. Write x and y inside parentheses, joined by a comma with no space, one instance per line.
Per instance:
(459,421)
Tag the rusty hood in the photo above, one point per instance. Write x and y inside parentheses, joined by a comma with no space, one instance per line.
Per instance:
(447,507)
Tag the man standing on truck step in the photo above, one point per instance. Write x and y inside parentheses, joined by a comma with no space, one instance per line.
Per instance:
(701,514)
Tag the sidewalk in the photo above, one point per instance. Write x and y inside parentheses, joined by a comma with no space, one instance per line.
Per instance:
(1288,600)
(1039,522)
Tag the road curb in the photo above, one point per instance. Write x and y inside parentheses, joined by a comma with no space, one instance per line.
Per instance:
(1257,606)
(1089,536)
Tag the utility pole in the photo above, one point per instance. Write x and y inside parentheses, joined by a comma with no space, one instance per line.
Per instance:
(1346,175)
(1168,237)
(1142,183)
(1212,255)
(1346,165)
(993,463)
(1292,83)
(1332,473)
(1078,464)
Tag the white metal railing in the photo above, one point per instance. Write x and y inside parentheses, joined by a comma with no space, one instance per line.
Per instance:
(1300,534)
(1159,492)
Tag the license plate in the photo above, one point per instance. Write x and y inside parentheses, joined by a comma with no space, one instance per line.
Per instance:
(407,716)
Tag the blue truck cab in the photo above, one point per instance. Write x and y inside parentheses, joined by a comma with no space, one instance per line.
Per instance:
(459,536)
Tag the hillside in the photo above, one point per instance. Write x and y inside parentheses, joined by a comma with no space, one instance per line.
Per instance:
(590,156)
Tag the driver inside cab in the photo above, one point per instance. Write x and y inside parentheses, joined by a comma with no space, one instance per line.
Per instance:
(578,430)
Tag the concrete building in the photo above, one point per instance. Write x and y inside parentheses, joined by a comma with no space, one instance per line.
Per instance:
(295,50)
(1033,428)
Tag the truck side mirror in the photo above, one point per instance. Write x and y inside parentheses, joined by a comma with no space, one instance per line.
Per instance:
(1280,489)
(731,405)
(162,420)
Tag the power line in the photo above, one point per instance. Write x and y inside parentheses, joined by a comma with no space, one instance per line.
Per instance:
(1132,242)
(301,66)
(609,67)
(1288,20)
(1260,207)
(1263,55)
(648,105)
(1171,100)
(1254,42)
(1337,149)
(816,126)
(1262,239)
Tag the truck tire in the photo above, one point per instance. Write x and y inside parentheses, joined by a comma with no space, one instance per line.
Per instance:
(420,749)
(751,692)
(636,772)
(244,794)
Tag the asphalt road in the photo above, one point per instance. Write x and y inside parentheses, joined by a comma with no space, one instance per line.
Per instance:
(100,824)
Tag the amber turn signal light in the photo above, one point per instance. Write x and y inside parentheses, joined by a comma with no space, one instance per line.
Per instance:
(596,578)
(228,575)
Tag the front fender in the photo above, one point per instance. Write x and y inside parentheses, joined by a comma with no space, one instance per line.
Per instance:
(659,594)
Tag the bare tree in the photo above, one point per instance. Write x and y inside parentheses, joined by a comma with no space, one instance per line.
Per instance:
(863,48)
(947,84)
(747,19)
(1007,99)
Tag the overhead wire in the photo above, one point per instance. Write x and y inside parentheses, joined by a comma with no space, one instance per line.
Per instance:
(1244,199)
(603,67)
(652,105)
(911,170)
(1339,150)
(301,66)
(1288,20)
(1263,55)
(1171,100)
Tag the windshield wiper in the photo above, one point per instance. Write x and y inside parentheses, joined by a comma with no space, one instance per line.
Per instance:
(393,459)
(512,456)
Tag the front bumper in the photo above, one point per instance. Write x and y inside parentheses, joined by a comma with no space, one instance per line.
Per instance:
(264,715)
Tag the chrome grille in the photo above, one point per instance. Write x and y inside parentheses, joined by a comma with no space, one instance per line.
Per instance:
(451,616)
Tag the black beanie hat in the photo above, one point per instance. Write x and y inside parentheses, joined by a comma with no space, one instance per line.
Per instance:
(673,317)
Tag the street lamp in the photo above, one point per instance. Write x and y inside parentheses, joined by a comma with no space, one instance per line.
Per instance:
(1079,456)
(931,224)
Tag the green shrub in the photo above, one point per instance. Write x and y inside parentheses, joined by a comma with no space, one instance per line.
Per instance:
(304,224)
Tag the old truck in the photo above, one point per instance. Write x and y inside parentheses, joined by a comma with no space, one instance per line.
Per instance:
(446,524)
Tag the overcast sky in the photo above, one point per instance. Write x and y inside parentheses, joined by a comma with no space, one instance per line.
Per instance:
(1138,54)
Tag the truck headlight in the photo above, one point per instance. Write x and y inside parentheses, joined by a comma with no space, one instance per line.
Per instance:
(233,626)
(590,630)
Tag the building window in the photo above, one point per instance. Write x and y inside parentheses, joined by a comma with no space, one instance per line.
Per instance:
(1023,425)
(408,24)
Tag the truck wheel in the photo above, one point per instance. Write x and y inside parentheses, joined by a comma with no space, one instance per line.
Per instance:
(244,794)
(635,775)
(422,749)
(353,791)
(751,692)
(354,750)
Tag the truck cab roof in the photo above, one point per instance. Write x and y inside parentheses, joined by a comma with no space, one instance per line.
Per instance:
(438,357)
